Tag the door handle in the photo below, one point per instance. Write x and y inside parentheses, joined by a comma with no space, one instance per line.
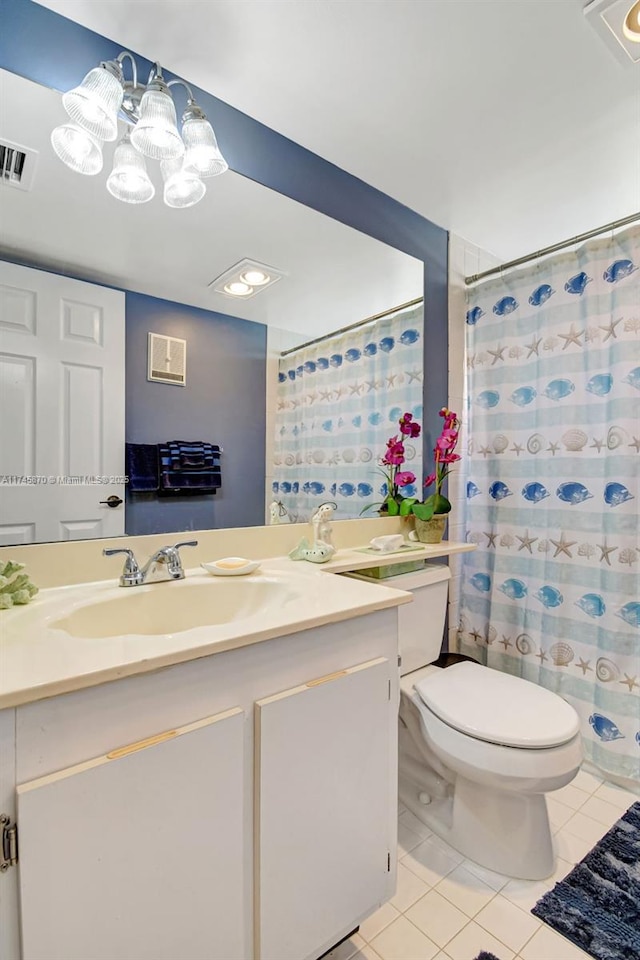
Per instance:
(112,501)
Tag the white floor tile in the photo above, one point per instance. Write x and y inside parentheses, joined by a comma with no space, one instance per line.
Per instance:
(570,796)
(605,813)
(410,888)
(546,944)
(569,847)
(437,918)
(474,938)
(367,953)
(586,781)
(618,797)
(526,893)
(508,923)
(347,949)
(585,827)
(403,941)
(430,861)
(411,821)
(465,891)
(407,839)
(374,924)
(494,880)
(559,812)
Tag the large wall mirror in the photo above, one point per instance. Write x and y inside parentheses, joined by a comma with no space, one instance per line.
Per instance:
(161,263)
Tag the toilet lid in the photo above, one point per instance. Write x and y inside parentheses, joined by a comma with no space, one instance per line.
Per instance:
(496,707)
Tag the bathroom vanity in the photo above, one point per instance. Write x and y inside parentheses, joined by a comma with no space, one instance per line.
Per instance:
(226,793)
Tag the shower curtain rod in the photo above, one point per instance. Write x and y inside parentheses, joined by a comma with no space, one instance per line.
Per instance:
(625,221)
(352,326)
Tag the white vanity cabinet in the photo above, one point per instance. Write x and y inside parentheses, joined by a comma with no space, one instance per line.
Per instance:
(238,806)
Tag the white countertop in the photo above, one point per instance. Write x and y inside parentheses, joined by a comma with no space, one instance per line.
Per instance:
(38,659)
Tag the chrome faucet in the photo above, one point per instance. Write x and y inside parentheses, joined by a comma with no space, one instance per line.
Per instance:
(165,564)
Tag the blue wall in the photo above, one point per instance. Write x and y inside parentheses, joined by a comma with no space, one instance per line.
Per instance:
(222,402)
(43,46)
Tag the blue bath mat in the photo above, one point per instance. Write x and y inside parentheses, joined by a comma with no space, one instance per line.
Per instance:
(597,905)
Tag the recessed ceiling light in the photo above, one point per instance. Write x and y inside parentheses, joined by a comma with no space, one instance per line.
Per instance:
(246,279)
(238,289)
(617,23)
(631,23)
(255,277)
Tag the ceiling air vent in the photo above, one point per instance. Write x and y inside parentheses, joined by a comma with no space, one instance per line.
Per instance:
(17,165)
(167,359)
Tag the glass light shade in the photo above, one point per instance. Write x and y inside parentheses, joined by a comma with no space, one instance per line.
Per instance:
(203,153)
(77,148)
(95,103)
(182,185)
(156,134)
(129,180)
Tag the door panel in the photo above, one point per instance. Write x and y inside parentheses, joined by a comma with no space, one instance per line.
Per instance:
(322,809)
(62,400)
(138,854)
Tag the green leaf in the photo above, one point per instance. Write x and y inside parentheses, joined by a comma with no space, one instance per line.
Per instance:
(392,508)
(423,511)
(441,504)
(405,506)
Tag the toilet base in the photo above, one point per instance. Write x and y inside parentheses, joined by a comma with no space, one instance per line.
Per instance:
(505,832)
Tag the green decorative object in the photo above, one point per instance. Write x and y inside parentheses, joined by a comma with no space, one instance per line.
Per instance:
(15,587)
(431,530)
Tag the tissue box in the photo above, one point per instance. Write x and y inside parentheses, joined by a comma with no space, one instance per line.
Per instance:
(392,569)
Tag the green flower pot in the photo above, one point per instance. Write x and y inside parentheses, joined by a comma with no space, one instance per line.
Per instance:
(431,531)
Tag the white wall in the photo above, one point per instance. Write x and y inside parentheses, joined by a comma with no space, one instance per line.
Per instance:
(465,259)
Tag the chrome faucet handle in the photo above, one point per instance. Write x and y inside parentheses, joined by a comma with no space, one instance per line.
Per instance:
(171,557)
(131,573)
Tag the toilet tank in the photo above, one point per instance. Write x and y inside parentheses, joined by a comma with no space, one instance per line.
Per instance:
(421,623)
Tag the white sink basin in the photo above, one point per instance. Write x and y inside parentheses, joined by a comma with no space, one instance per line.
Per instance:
(169,608)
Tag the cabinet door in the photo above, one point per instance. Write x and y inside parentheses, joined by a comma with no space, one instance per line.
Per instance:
(139,853)
(323,766)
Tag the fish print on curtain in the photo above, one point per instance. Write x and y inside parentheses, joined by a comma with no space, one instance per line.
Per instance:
(552,591)
(338,403)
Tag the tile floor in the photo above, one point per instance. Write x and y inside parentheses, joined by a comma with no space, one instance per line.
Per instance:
(448,908)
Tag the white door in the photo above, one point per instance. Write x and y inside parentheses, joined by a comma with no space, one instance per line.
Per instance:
(61,407)
(323,804)
(138,855)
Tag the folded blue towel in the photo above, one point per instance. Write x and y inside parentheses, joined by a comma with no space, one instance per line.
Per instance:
(193,455)
(175,479)
(141,467)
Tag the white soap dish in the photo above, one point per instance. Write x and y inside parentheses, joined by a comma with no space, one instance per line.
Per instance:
(231,566)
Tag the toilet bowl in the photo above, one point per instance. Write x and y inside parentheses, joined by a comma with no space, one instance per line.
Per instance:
(478,748)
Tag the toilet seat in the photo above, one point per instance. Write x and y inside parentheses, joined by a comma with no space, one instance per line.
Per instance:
(496,707)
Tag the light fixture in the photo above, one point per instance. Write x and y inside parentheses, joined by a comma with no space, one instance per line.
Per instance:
(104,97)
(129,180)
(631,23)
(77,148)
(182,185)
(617,23)
(246,278)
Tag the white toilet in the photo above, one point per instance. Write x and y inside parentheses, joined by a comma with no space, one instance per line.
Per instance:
(478,749)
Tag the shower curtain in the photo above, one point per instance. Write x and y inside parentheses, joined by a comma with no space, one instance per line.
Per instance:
(338,402)
(552,592)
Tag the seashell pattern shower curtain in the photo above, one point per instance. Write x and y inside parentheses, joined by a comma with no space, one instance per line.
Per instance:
(339,401)
(552,591)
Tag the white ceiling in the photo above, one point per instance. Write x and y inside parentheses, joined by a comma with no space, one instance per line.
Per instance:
(508,122)
(334,275)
